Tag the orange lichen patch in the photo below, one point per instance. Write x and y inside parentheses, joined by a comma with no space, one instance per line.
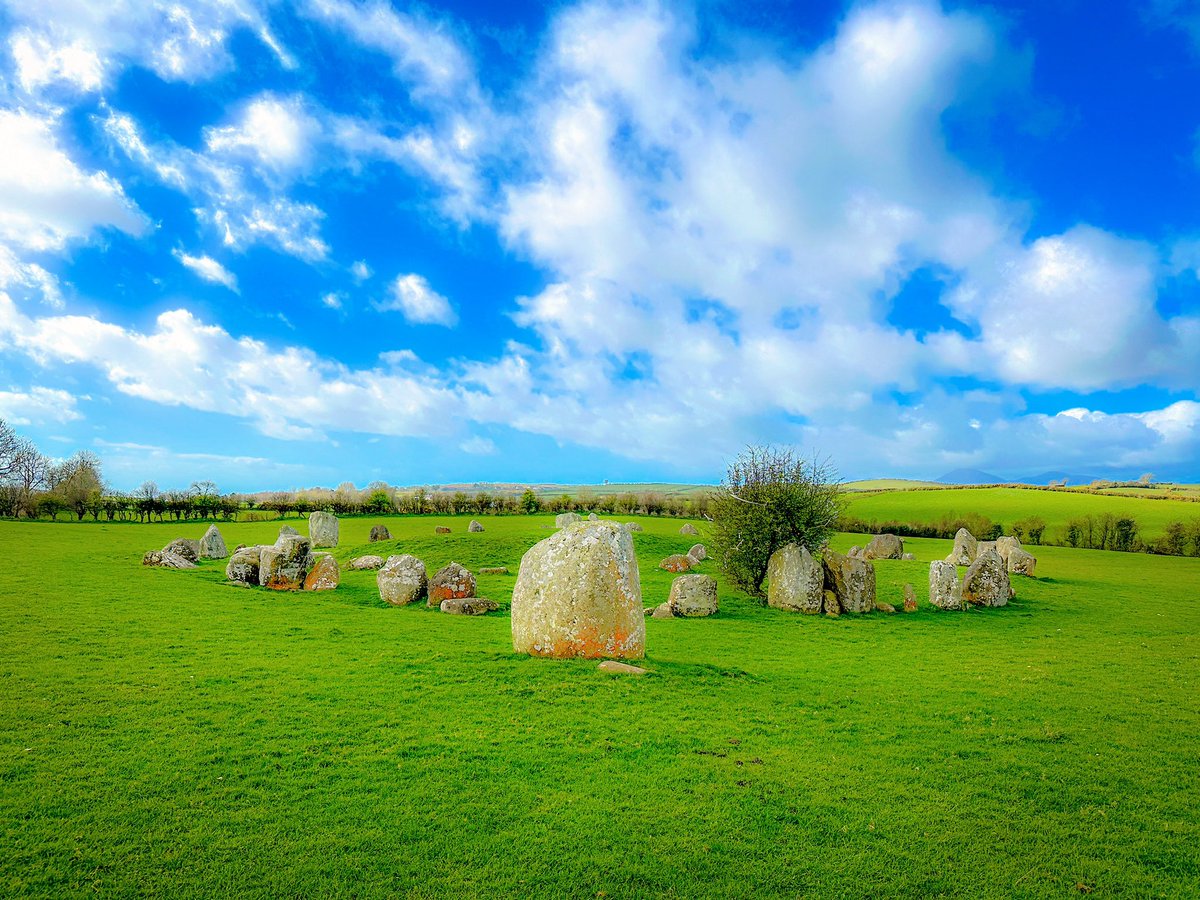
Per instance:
(591,643)
(282,584)
(677,563)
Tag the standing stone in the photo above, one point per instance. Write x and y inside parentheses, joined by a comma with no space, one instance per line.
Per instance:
(851,580)
(212,545)
(562,520)
(468,606)
(945,592)
(795,580)
(1005,545)
(965,547)
(693,595)
(984,546)
(884,546)
(402,580)
(986,581)
(243,566)
(441,529)
(188,549)
(323,529)
(452,582)
(474,527)
(677,562)
(379,533)
(910,598)
(578,594)
(697,553)
(1021,562)
(285,530)
(324,575)
(689,528)
(370,561)
(165,559)
(283,566)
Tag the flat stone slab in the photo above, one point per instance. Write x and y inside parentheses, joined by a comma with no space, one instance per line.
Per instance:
(618,668)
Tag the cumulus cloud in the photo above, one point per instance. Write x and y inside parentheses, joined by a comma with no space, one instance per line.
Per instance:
(38,406)
(420,304)
(276,132)
(209,269)
(17,275)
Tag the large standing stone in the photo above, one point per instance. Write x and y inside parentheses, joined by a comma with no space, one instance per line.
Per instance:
(851,580)
(323,529)
(693,595)
(1021,562)
(697,553)
(243,566)
(689,528)
(165,559)
(370,561)
(884,546)
(795,580)
(212,545)
(986,581)
(379,533)
(283,566)
(402,580)
(677,562)
(578,594)
(965,547)
(562,520)
(1006,545)
(452,582)
(324,575)
(188,549)
(945,592)
(474,527)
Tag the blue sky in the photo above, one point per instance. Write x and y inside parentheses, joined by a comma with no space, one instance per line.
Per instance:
(276,245)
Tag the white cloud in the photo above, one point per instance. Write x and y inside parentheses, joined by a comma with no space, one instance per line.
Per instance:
(420,304)
(332,300)
(17,274)
(477,445)
(277,132)
(209,269)
(46,199)
(360,271)
(38,406)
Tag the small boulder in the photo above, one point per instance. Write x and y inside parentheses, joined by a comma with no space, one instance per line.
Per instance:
(370,561)
(908,556)
(379,533)
(494,570)
(662,611)
(452,582)
(676,563)
(1021,562)
(616,668)
(795,580)
(284,565)
(441,529)
(693,595)
(945,591)
(689,528)
(286,530)
(882,607)
(323,529)
(188,549)
(402,580)
(697,553)
(212,545)
(852,580)
(468,606)
(474,527)
(324,575)
(165,559)
(910,598)
(884,546)
(592,517)
(562,520)
(632,526)
(243,566)
(965,547)
(986,581)
(855,552)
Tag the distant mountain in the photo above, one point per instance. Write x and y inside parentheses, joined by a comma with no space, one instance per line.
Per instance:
(969,476)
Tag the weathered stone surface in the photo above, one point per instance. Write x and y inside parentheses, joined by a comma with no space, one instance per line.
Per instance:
(677,562)
(188,549)
(441,529)
(494,570)
(945,591)
(829,603)
(323,529)
(592,517)
(697,553)
(982,547)
(578,594)
(243,566)
(795,580)
(474,527)
(884,546)
(468,606)
(452,582)
(562,520)
(1005,545)
(284,565)
(689,528)
(165,559)
(324,574)
(851,580)
(910,598)
(212,545)
(402,580)
(615,668)
(1021,562)
(662,611)
(370,561)
(633,526)
(379,533)
(908,556)
(965,547)
(693,595)
(855,552)
(286,530)
(882,607)
(986,581)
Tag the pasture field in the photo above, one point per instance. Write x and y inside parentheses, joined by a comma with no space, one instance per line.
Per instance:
(165,734)
(1007,505)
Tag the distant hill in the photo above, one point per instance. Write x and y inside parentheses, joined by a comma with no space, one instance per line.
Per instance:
(970,476)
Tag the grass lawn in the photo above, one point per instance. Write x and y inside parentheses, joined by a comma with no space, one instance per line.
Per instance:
(162,733)
(1007,505)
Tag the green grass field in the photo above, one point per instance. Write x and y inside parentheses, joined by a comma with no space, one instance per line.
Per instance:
(1006,505)
(162,733)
